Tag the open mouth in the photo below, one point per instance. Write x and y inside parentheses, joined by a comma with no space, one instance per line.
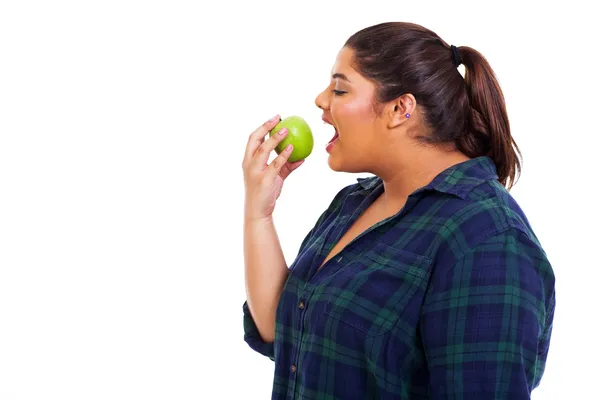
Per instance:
(332,142)
(335,137)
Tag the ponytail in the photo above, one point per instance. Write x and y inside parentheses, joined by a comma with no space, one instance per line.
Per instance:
(488,130)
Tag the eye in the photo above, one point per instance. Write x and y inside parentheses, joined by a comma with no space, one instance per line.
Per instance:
(338,92)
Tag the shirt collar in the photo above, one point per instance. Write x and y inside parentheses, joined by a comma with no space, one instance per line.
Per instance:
(458,179)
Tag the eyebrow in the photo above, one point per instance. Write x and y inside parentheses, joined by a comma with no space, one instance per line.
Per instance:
(341,76)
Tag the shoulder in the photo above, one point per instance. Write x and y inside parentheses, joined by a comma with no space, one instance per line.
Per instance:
(488,218)
(505,257)
(488,210)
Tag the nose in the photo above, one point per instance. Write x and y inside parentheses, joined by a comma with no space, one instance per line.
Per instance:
(322,100)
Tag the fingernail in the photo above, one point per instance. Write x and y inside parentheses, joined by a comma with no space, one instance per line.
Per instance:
(275,118)
(283,131)
(288,147)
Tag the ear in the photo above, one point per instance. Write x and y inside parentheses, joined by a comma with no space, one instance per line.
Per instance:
(398,108)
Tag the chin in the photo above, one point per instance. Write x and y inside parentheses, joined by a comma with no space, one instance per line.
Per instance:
(337,168)
(338,165)
(334,165)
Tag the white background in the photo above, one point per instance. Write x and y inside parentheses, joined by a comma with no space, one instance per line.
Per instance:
(123,126)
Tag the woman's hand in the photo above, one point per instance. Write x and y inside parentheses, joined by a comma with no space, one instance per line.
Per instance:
(264,182)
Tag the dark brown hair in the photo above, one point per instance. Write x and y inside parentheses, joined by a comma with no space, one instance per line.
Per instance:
(401,57)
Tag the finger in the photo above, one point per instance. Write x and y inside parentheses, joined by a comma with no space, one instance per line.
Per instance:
(289,167)
(279,162)
(264,150)
(257,137)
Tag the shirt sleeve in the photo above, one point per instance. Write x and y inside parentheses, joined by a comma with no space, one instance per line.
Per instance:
(252,336)
(487,319)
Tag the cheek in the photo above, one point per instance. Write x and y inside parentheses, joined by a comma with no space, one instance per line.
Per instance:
(352,113)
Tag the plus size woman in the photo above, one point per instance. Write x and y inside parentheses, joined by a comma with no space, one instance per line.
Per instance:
(424,281)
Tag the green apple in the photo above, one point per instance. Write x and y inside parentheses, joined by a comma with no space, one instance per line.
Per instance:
(299,135)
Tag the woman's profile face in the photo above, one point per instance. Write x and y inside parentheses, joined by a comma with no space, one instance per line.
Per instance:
(347,104)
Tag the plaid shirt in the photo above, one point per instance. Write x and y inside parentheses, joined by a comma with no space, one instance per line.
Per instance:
(451,298)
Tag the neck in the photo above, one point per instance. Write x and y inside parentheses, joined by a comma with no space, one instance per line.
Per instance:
(409,173)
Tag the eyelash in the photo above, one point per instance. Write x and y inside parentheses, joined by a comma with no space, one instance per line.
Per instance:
(338,92)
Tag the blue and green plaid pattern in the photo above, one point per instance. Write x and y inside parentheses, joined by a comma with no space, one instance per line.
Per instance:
(451,298)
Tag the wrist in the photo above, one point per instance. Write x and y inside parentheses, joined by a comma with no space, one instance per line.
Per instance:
(258,219)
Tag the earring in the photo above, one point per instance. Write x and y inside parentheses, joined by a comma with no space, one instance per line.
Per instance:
(407,115)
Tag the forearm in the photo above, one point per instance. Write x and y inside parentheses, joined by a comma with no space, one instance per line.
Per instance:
(266,272)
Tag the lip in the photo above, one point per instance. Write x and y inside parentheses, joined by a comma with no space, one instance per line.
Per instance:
(331,143)
(326,120)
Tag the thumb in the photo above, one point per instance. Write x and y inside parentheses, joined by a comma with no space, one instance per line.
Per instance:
(295,164)
(289,167)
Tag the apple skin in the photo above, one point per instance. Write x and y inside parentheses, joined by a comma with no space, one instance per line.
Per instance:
(299,135)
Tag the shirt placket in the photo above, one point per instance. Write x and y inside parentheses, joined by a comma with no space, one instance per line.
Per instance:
(303,302)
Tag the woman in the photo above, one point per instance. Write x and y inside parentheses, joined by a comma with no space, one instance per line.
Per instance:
(425,281)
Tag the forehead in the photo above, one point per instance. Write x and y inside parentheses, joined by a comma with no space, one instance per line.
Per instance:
(343,62)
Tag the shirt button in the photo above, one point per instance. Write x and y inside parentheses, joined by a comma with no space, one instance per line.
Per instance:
(301,305)
(293,368)
(340,258)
